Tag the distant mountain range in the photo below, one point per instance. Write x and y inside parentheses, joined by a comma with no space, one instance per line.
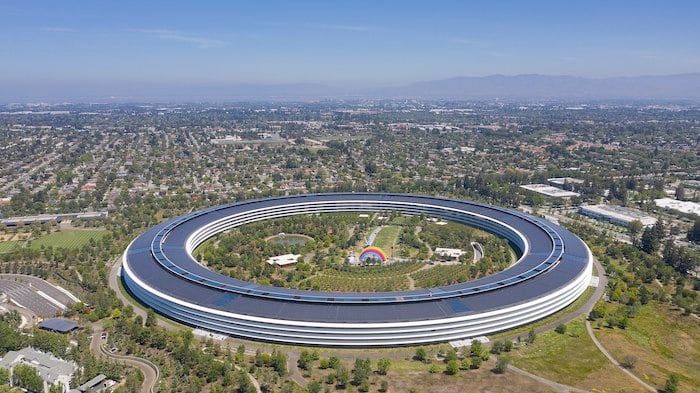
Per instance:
(516,87)
(682,86)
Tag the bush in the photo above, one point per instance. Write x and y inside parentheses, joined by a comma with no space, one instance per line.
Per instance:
(628,361)
(501,365)
(452,367)
(475,362)
(384,387)
(420,354)
(561,329)
(383,366)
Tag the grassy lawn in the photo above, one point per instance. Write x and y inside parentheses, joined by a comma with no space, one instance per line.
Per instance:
(9,246)
(663,341)
(572,359)
(409,375)
(67,239)
(387,238)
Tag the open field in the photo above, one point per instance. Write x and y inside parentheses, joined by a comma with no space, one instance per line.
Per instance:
(406,375)
(573,359)
(8,246)
(69,239)
(481,380)
(387,238)
(663,341)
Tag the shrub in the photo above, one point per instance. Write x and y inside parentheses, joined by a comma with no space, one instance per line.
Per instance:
(501,365)
(452,367)
(561,329)
(628,361)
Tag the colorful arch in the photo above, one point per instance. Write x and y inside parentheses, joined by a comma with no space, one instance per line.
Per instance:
(373,252)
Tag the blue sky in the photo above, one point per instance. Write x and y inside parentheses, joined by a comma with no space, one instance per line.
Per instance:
(363,42)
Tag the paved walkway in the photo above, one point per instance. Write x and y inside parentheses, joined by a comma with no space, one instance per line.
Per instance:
(151,372)
(615,362)
(558,387)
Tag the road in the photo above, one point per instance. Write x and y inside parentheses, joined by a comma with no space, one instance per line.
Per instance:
(150,371)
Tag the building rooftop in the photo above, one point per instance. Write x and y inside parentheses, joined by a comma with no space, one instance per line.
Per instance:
(619,214)
(50,368)
(681,206)
(283,260)
(549,191)
(58,325)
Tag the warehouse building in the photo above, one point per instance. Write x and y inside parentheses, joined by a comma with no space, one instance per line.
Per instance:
(617,215)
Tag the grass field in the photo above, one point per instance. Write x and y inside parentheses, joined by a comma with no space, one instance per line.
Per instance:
(387,238)
(573,359)
(9,246)
(663,341)
(406,375)
(67,239)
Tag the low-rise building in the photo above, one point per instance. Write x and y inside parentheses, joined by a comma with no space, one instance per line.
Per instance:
(455,253)
(617,215)
(52,370)
(680,206)
(549,191)
(284,260)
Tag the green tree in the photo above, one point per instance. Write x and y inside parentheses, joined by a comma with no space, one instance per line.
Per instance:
(635,228)
(342,376)
(362,371)
(151,319)
(672,384)
(452,367)
(501,365)
(4,376)
(531,336)
(26,377)
(420,354)
(384,386)
(383,366)
(314,387)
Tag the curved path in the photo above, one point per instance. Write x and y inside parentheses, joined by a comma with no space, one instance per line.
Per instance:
(151,372)
(615,362)
(556,386)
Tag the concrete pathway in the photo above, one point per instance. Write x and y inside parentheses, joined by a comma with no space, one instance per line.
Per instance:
(558,387)
(151,372)
(615,362)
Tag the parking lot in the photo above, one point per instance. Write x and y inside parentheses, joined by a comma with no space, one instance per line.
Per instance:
(27,292)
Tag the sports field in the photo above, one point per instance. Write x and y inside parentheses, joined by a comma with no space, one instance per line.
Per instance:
(68,239)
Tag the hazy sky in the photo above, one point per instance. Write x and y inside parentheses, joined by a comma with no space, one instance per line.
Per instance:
(364,42)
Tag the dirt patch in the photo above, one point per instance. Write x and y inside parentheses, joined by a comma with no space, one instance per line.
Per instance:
(482,380)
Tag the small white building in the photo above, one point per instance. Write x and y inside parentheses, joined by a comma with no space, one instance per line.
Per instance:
(455,253)
(284,260)
(50,368)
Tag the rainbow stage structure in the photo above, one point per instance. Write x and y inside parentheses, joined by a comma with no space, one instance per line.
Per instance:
(370,253)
